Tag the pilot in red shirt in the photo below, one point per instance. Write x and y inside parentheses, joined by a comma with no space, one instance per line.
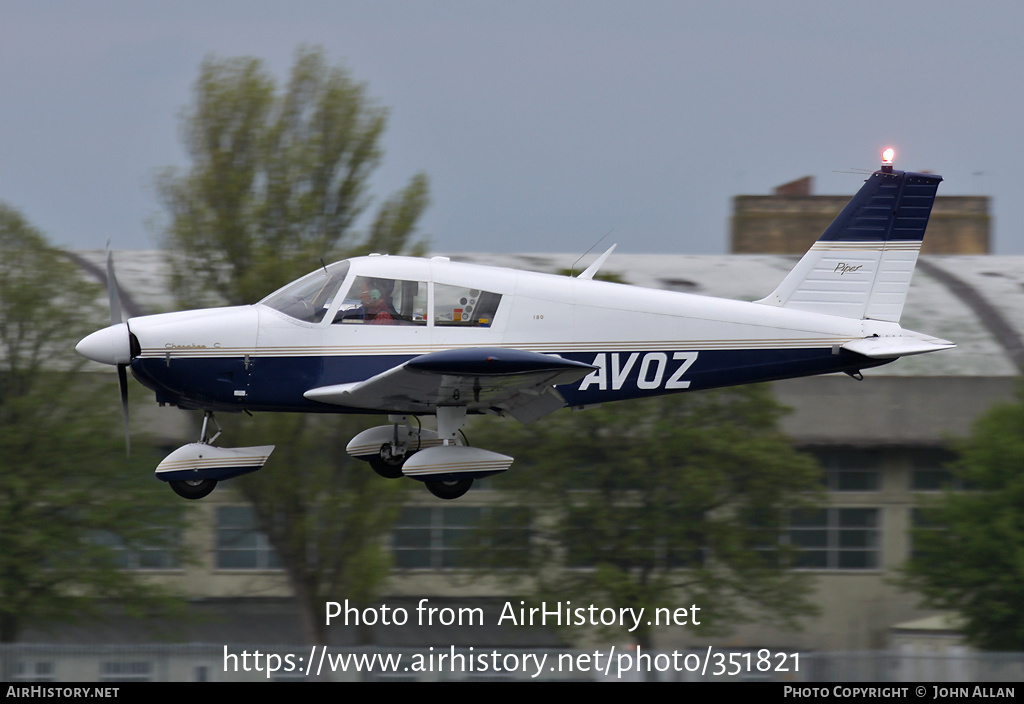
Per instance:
(375,295)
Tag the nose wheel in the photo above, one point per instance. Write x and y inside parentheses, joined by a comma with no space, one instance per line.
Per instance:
(193,470)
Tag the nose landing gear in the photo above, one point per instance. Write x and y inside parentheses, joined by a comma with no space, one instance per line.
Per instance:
(194,470)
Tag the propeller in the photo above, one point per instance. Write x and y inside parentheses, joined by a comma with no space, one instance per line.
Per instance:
(114,345)
(117,318)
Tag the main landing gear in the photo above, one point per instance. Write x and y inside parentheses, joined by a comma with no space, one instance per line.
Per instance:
(439,459)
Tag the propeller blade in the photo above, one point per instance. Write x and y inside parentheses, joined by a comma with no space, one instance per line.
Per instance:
(113,291)
(122,383)
(116,318)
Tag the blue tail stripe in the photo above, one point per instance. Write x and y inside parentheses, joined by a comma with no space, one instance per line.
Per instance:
(891,206)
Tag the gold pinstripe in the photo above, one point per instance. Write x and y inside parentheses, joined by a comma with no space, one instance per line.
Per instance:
(373,449)
(593,346)
(212,463)
(451,467)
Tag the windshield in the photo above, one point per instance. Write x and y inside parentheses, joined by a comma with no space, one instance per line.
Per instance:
(309,298)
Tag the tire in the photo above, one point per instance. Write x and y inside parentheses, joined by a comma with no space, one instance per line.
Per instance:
(452,489)
(387,465)
(193,488)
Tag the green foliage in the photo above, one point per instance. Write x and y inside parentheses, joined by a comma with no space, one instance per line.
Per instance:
(969,550)
(661,503)
(70,505)
(278,179)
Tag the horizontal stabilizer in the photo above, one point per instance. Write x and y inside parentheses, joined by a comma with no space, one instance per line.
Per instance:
(892,347)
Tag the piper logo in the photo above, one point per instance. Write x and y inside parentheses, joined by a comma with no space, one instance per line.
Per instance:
(844,268)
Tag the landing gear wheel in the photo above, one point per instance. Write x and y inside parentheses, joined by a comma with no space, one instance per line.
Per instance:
(388,465)
(451,489)
(193,488)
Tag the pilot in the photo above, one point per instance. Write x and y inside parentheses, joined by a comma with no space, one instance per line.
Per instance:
(375,295)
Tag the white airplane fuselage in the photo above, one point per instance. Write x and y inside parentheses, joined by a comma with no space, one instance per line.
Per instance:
(645,341)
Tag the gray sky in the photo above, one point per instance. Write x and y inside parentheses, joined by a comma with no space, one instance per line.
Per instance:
(543,125)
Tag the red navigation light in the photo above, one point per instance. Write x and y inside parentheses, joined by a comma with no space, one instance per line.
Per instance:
(887,154)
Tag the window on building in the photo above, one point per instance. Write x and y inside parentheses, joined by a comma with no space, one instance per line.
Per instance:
(126,671)
(34,671)
(930,470)
(626,540)
(240,545)
(836,538)
(137,557)
(921,519)
(850,468)
(446,537)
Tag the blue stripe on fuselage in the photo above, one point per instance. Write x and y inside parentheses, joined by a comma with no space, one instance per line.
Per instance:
(628,375)
(278,383)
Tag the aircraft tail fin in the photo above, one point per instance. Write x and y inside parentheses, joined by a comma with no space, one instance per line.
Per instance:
(862,264)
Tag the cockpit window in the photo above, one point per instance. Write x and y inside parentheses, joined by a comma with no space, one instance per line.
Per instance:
(375,300)
(378,301)
(309,298)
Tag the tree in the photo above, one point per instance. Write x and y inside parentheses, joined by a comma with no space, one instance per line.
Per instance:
(323,512)
(672,501)
(278,182)
(969,546)
(71,510)
(278,179)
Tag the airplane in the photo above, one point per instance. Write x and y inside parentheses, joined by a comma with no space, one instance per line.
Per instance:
(408,337)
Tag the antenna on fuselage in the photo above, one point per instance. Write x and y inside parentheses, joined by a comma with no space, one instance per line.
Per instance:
(572,269)
(593,268)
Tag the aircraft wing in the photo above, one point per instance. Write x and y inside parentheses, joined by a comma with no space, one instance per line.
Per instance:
(516,382)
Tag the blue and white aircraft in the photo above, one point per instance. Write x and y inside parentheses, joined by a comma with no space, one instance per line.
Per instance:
(408,337)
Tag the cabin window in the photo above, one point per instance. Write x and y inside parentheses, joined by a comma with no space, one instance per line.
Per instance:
(378,301)
(460,306)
